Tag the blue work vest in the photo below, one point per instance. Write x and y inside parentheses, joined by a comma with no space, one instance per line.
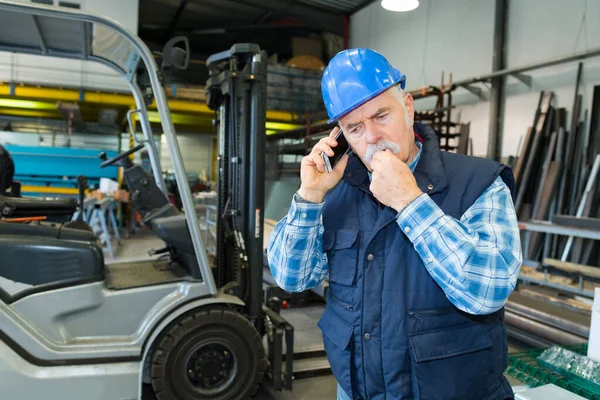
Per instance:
(388,329)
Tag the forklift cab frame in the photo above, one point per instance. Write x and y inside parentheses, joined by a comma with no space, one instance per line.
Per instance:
(236,92)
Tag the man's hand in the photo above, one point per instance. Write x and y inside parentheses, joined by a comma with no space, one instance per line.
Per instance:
(392,182)
(316,182)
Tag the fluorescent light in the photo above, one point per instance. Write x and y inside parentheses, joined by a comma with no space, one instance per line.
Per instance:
(399,5)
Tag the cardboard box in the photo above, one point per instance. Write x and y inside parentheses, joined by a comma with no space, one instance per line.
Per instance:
(307,46)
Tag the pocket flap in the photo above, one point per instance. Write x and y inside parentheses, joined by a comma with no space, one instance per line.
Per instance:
(340,239)
(450,342)
(345,238)
(336,329)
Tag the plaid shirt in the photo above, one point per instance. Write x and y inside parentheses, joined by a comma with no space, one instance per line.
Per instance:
(475,260)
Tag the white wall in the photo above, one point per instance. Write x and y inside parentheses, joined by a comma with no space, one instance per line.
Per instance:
(457,36)
(30,69)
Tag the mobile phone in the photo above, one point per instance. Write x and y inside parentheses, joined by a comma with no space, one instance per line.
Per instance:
(342,148)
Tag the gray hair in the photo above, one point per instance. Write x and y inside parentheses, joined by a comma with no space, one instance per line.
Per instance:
(399,93)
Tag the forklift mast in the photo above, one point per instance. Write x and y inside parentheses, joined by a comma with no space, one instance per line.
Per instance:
(236,91)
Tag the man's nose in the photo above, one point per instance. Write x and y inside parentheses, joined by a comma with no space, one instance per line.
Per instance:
(373,135)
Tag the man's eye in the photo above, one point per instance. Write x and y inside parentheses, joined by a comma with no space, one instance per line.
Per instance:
(382,117)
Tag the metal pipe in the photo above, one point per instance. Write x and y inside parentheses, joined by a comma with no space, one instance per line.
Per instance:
(527,338)
(549,319)
(588,189)
(147,130)
(529,67)
(176,159)
(541,330)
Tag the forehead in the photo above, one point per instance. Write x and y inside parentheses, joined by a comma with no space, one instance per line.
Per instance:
(385,99)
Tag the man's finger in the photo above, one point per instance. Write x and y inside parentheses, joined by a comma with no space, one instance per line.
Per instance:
(379,156)
(318,162)
(322,148)
(375,162)
(334,131)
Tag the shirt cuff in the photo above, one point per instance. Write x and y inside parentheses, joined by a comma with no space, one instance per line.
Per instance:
(418,216)
(305,214)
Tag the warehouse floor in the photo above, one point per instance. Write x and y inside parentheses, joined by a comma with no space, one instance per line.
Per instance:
(319,387)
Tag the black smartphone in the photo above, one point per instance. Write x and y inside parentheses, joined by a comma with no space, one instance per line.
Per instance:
(338,152)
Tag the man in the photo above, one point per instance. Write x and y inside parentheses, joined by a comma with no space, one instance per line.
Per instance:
(421,247)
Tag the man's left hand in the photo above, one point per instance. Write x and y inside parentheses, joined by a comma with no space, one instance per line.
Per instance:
(392,182)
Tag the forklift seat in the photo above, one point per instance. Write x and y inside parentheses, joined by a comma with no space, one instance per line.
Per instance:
(45,229)
(23,207)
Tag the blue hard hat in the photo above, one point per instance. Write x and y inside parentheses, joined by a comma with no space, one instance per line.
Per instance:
(355,76)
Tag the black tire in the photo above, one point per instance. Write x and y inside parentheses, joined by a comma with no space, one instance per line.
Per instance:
(213,354)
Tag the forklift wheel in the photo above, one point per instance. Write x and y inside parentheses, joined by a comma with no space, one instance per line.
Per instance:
(214,354)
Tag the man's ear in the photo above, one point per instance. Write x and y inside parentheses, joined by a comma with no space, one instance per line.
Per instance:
(410,105)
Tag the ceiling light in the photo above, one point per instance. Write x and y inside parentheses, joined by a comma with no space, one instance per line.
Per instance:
(399,5)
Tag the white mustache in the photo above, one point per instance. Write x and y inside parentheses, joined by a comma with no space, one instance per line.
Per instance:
(380,146)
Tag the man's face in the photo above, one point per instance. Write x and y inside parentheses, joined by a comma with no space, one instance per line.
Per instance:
(378,124)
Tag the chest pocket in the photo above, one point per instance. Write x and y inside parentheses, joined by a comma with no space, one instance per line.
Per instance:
(341,247)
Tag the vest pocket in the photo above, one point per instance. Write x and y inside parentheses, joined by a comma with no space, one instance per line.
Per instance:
(451,363)
(342,255)
(337,340)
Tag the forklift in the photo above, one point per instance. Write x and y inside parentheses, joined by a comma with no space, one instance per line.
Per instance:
(182,324)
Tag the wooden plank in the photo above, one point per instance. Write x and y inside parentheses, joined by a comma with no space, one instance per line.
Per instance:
(545,169)
(529,172)
(523,156)
(571,282)
(463,141)
(587,270)
(561,141)
(547,193)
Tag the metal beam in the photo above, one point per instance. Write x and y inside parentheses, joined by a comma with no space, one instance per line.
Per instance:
(38,32)
(324,20)
(526,79)
(494,150)
(530,67)
(116,99)
(548,227)
(475,90)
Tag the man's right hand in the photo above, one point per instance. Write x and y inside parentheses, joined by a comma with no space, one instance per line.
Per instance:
(315,180)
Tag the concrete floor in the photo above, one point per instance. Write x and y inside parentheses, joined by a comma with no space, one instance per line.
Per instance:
(322,387)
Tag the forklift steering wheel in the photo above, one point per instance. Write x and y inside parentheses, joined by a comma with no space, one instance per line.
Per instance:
(119,157)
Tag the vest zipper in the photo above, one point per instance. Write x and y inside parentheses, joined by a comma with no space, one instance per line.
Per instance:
(421,313)
(414,314)
(346,306)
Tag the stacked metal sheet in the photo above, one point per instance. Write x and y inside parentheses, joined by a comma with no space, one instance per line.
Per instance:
(556,177)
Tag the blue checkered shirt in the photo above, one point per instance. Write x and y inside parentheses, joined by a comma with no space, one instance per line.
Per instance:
(475,260)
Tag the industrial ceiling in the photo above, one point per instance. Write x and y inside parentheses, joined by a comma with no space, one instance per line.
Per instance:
(214,25)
